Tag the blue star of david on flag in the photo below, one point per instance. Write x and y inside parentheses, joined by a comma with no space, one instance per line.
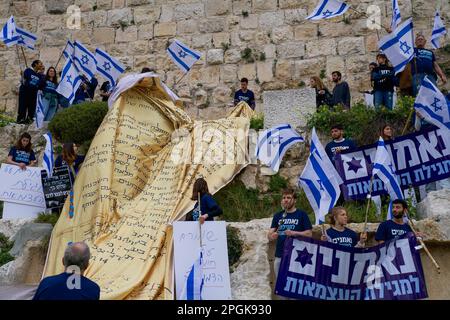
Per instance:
(327,13)
(69,79)
(404,47)
(84,59)
(183,56)
(435,105)
(304,257)
(327,9)
(320,185)
(109,67)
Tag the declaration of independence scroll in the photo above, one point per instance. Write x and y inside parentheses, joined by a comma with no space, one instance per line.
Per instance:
(136,180)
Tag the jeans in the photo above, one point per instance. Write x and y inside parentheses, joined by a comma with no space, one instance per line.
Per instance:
(52,102)
(383,98)
(417,81)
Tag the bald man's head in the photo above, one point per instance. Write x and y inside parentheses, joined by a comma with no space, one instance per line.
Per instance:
(77,254)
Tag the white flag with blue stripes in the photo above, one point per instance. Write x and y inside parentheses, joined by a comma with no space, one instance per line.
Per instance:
(40,110)
(432,105)
(396,16)
(273,144)
(84,60)
(26,39)
(8,34)
(70,81)
(326,9)
(438,31)
(69,50)
(399,45)
(48,154)
(193,286)
(182,56)
(320,180)
(108,67)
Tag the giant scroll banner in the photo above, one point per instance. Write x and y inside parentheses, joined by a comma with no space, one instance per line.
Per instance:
(136,180)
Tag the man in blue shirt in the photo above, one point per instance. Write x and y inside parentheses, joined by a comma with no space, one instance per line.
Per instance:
(396,227)
(33,79)
(71,284)
(290,222)
(425,62)
(339,143)
(245,94)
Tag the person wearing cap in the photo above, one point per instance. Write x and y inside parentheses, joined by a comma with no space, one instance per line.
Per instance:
(384,80)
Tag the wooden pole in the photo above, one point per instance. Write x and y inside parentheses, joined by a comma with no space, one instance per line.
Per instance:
(20,65)
(199,222)
(180,79)
(60,56)
(24,57)
(369,199)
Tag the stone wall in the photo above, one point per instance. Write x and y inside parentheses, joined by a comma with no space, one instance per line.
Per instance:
(286,50)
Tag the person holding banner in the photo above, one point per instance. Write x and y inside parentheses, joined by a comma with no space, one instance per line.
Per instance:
(71,159)
(208,206)
(339,143)
(22,154)
(290,222)
(339,233)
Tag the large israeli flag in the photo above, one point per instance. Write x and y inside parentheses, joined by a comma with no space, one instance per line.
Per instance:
(8,34)
(438,31)
(320,180)
(26,39)
(84,60)
(41,109)
(108,67)
(399,45)
(48,154)
(432,105)
(396,17)
(69,50)
(326,9)
(182,56)
(193,287)
(273,144)
(70,81)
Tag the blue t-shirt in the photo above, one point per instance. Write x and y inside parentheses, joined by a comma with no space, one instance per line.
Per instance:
(247,96)
(425,62)
(21,156)
(347,238)
(55,288)
(32,79)
(50,87)
(208,206)
(389,230)
(332,147)
(296,221)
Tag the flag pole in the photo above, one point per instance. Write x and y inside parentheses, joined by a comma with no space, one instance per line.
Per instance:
(411,224)
(24,57)
(369,197)
(18,57)
(180,79)
(60,56)
(199,223)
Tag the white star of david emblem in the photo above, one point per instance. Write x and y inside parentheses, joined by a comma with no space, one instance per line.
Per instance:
(69,79)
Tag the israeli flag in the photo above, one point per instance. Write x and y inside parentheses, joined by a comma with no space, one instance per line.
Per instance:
(438,31)
(396,17)
(8,34)
(383,167)
(399,45)
(108,67)
(432,105)
(84,60)
(320,180)
(273,144)
(70,81)
(40,110)
(69,50)
(328,9)
(193,287)
(182,56)
(26,39)
(48,154)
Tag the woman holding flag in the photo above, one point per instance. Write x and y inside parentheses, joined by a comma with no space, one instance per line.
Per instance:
(208,206)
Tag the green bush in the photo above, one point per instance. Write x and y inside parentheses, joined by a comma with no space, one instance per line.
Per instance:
(51,218)
(78,123)
(5,120)
(235,246)
(277,183)
(361,123)
(5,247)
(257,121)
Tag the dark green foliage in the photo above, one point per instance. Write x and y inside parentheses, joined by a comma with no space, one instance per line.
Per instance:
(78,123)
(247,56)
(262,56)
(323,74)
(257,121)
(302,84)
(5,120)
(245,14)
(235,246)
(277,183)
(361,123)
(51,218)
(5,247)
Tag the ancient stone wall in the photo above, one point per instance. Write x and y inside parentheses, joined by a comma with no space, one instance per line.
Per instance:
(285,48)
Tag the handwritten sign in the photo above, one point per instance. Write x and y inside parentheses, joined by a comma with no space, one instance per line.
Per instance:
(57,187)
(186,237)
(21,186)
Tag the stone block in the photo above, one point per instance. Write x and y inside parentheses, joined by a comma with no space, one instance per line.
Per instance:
(222,95)
(335,63)
(284,69)
(249,22)
(309,67)
(146,15)
(119,17)
(187,26)
(104,4)
(217,7)
(214,56)
(50,22)
(349,46)
(211,25)
(103,35)
(228,73)
(264,5)
(282,34)
(145,32)
(189,11)
(306,32)
(291,50)
(129,34)
(287,4)
(165,29)
(270,20)
(57,6)
(221,38)
(20,8)
(167,12)
(202,41)
(247,70)
(265,71)
(294,16)
(323,47)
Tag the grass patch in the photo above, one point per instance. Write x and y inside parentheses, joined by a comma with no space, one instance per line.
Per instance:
(257,121)
(5,120)
(5,247)
(51,218)
(235,246)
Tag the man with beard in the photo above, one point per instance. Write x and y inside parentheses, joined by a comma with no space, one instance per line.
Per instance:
(341,91)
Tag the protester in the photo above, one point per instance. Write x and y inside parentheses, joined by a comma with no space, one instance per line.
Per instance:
(396,227)
(387,133)
(339,233)
(105,90)
(50,94)
(289,222)
(71,159)
(208,206)
(64,286)
(323,95)
(22,154)
(32,81)
(341,91)
(425,62)
(339,143)
(384,80)
(244,94)
(86,90)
